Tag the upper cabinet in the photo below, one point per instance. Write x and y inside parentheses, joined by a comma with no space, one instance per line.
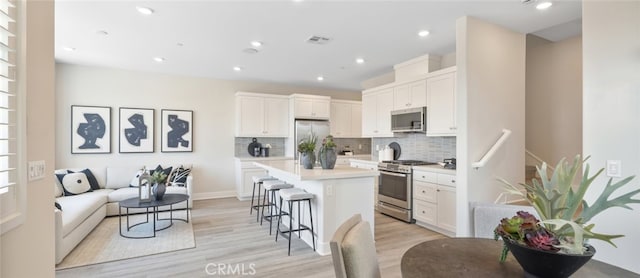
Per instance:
(346,119)
(261,115)
(311,106)
(410,95)
(441,103)
(376,113)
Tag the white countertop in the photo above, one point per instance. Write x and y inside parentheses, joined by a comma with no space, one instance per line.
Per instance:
(368,160)
(297,172)
(435,168)
(268,158)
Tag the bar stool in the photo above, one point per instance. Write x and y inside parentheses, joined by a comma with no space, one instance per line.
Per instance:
(295,195)
(258,180)
(271,186)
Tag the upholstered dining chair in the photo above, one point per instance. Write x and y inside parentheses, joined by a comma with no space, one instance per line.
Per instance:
(353,250)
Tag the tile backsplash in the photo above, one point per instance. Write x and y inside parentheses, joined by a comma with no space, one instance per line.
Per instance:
(242,146)
(420,147)
(277,145)
(357,145)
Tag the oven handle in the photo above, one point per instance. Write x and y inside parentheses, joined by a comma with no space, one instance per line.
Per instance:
(393,174)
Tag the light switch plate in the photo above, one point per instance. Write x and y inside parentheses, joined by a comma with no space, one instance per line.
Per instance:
(37,170)
(614,168)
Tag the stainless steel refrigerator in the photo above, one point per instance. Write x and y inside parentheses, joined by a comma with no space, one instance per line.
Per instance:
(304,127)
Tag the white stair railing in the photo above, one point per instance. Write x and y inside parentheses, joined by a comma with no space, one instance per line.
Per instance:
(487,156)
(537,158)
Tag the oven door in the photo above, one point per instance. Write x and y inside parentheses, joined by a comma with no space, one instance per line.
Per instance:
(395,189)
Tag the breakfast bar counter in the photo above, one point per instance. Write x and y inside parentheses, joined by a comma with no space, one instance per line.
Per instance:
(339,194)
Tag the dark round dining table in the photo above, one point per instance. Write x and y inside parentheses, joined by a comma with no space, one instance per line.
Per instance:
(479,257)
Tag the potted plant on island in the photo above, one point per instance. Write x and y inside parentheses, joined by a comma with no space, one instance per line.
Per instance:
(306,149)
(556,246)
(327,154)
(159,179)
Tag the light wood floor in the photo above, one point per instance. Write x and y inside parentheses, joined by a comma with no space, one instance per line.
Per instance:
(225,233)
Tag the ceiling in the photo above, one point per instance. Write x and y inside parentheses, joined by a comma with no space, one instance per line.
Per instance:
(207,38)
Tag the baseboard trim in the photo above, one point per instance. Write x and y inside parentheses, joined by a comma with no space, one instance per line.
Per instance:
(214,195)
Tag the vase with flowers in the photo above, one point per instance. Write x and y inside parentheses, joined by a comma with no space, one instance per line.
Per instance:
(327,154)
(556,246)
(306,148)
(159,179)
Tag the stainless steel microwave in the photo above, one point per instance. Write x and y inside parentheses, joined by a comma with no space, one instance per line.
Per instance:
(409,120)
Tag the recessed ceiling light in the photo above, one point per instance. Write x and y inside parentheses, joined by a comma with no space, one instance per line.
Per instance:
(102,33)
(360,61)
(158,59)
(544,5)
(320,78)
(423,33)
(236,68)
(69,48)
(256,43)
(144,10)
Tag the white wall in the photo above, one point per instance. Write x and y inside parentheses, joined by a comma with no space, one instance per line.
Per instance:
(491,95)
(29,250)
(611,123)
(213,125)
(554,98)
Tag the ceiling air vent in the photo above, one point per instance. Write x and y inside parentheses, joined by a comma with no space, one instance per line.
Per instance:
(318,40)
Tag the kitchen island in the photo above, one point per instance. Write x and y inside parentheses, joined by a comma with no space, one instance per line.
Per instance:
(339,194)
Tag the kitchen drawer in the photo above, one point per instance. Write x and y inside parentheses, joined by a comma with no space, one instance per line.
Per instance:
(425,176)
(425,191)
(449,180)
(343,161)
(425,212)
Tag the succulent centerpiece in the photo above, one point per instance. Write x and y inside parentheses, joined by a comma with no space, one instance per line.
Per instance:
(556,246)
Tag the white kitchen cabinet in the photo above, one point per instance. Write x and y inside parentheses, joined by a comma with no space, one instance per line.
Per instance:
(376,113)
(261,115)
(346,119)
(245,170)
(441,104)
(434,201)
(410,95)
(311,106)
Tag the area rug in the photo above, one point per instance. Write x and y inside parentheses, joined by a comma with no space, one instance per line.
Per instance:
(104,243)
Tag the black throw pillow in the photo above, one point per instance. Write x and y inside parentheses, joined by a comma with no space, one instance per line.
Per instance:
(166,171)
(58,206)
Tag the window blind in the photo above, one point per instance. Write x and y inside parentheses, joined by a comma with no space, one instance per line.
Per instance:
(8,99)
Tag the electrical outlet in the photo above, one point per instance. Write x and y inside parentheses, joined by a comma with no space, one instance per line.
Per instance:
(614,168)
(36,169)
(329,190)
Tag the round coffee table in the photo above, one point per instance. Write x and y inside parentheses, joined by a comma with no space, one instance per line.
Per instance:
(168,200)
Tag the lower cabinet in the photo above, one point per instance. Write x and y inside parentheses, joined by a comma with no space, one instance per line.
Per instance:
(245,171)
(434,201)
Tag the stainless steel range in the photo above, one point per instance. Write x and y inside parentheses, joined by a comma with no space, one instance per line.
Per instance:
(395,188)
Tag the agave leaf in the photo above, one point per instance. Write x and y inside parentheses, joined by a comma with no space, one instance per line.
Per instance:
(603,202)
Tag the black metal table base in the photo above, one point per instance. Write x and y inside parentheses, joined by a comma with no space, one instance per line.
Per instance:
(156,218)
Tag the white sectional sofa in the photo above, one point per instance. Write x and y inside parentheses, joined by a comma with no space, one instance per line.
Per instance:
(81,213)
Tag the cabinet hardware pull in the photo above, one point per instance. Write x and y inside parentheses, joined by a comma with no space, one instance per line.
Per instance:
(438,190)
(453,181)
(423,191)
